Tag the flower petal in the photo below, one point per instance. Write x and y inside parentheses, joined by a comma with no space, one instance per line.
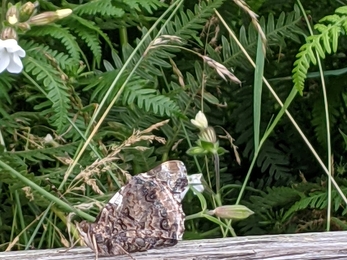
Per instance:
(4,60)
(201,118)
(200,121)
(12,46)
(15,65)
(8,43)
(1,45)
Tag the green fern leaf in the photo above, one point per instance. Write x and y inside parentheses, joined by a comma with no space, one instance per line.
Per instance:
(90,37)
(77,21)
(189,24)
(62,34)
(44,53)
(54,90)
(6,81)
(148,5)
(275,30)
(48,153)
(150,101)
(324,42)
(99,7)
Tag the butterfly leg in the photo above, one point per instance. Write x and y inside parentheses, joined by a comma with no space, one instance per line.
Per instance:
(96,247)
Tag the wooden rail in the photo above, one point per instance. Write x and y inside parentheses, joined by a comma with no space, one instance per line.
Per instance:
(312,246)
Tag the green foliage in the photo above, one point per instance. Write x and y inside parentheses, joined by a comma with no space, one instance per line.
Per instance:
(148,100)
(277,31)
(58,104)
(188,24)
(62,35)
(297,208)
(99,7)
(329,29)
(86,84)
(5,86)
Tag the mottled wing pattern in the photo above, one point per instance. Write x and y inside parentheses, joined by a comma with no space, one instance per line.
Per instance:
(146,213)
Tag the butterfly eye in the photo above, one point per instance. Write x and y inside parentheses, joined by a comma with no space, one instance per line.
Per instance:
(138,180)
(121,224)
(180,184)
(152,196)
(144,191)
(164,224)
(163,212)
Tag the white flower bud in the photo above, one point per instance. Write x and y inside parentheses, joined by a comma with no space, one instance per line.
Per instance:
(200,121)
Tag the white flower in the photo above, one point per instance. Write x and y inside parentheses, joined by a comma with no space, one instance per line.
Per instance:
(10,53)
(195,181)
(200,121)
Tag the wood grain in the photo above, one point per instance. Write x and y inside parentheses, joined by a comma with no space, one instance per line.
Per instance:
(313,246)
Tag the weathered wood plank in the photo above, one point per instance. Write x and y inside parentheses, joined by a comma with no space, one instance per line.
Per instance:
(309,246)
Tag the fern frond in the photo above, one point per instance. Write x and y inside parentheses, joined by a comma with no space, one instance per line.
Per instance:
(58,103)
(90,37)
(134,117)
(275,197)
(62,34)
(43,53)
(6,81)
(48,153)
(318,120)
(100,84)
(75,22)
(150,100)
(99,7)
(275,30)
(318,200)
(188,24)
(148,5)
(274,160)
(324,42)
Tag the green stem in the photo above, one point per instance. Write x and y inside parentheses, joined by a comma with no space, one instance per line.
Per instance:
(3,13)
(36,230)
(120,91)
(44,193)
(21,217)
(194,216)
(327,119)
(123,35)
(190,146)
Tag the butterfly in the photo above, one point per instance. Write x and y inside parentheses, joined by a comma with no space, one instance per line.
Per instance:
(146,213)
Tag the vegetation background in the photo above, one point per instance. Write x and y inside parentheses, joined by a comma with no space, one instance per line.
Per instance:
(91,103)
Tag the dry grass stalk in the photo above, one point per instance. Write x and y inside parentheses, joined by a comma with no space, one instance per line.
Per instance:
(28,193)
(99,166)
(222,71)
(254,17)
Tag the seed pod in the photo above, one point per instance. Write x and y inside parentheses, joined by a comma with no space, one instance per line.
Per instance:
(232,212)
(48,17)
(27,10)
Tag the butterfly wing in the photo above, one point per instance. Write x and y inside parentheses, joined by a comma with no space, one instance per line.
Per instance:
(151,214)
(146,213)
